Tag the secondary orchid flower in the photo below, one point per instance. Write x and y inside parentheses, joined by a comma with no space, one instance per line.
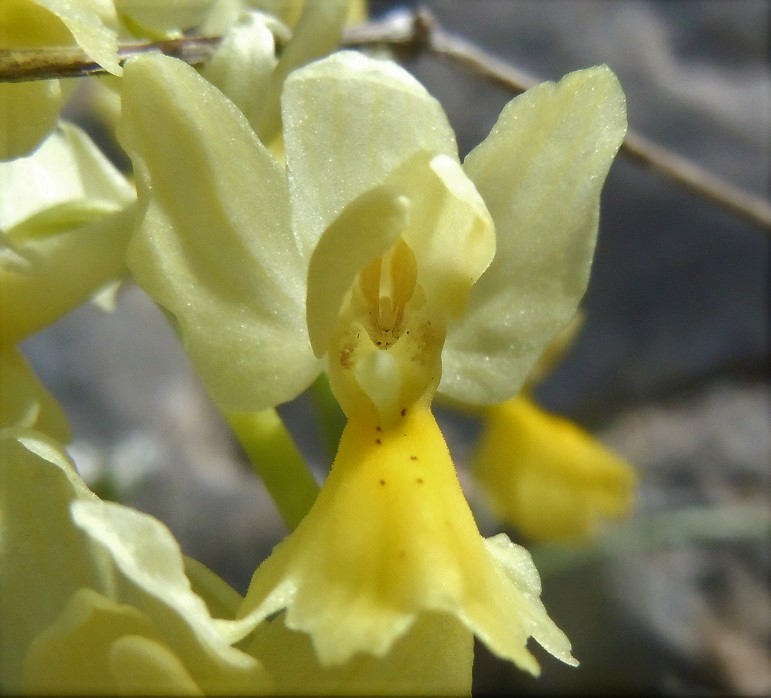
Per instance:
(65,217)
(370,257)
(93,595)
(544,474)
(30,110)
(245,66)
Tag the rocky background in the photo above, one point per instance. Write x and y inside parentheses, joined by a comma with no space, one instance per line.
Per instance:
(670,369)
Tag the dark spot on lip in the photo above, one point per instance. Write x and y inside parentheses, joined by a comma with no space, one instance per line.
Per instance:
(419,480)
(378,442)
(402,554)
(382,482)
(413,457)
(404,411)
(378,428)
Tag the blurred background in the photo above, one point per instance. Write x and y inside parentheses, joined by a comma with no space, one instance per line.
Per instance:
(671,368)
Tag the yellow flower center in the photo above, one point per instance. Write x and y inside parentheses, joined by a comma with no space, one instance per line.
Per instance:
(387,350)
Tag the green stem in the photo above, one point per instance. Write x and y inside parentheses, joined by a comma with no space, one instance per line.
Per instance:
(276,459)
(682,527)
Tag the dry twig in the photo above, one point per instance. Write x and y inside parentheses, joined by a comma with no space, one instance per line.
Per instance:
(416,32)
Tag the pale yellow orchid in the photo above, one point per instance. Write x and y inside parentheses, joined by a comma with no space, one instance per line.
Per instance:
(377,257)
(65,217)
(30,110)
(93,595)
(245,66)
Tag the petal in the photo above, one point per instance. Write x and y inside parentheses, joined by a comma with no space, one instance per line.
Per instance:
(144,667)
(214,245)
(88,20)
(390,538)
(540,172)
(547,476)
(28,112)
(433,658)
(43,558)
(316,34)
(54,272)
(349,121)
(242,67)
(450,231)
(160,18)
(24,401)
(65,220)
(73,655)
(123,554)
(144,554)
(221,599)
(67,168)
(343,251)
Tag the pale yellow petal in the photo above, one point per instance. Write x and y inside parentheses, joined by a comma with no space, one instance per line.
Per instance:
(349,121)
(24,401)
(221,599)
(144,667)
(65,220)
(36,577)
(54,273)
(433,658)
(88,21)
(242,67)
(160,18)
(72,655)
(450,231)
(144,553)
(28,112)
(540,172)
(342,251)
(214,246)
(67,168)
(316,34)
(123,554)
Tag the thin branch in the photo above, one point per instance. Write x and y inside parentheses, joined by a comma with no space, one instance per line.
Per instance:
(24,65)
(429,37)
(417,32)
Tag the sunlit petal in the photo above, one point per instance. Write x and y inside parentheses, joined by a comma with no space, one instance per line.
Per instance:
(540,172)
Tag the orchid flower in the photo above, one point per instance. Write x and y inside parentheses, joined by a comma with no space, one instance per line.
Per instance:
(544,474)
(93,595)
(113,607)
(29,110)
(377,257)
(65,217)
